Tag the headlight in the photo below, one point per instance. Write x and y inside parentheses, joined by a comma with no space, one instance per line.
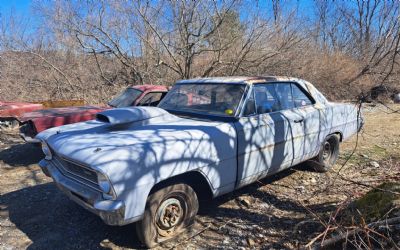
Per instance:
(47,152)
(105,186)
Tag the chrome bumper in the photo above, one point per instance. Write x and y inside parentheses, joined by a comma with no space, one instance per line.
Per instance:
(112,212)
(28,139)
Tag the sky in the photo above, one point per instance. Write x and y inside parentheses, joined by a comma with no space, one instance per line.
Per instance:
(24,12)
(23,7)
(19,6)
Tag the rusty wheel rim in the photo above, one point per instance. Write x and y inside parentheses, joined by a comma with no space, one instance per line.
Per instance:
(169,216)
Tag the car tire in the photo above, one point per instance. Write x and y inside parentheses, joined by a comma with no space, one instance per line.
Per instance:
(9,124)
(328,154)
(169,211)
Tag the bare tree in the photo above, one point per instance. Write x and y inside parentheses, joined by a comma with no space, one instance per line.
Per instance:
(374,31)
(276,9)
(183,36)
(105,45)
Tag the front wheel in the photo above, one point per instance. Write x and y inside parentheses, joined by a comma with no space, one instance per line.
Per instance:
(168,212)
(328,154)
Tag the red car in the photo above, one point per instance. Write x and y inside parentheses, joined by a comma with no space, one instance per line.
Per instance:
(34,122)
(10,111)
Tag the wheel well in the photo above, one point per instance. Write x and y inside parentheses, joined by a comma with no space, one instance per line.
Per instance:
(28,128)
(339,134)
(194,179)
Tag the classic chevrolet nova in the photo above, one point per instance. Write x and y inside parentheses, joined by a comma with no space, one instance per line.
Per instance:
(207,137)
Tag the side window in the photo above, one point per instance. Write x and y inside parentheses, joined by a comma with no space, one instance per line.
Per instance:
(271,97)
(151,99)
(285,97)
(299,97)
(266,99)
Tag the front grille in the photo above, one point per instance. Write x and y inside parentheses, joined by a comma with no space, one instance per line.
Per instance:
(81,171)
(76,172)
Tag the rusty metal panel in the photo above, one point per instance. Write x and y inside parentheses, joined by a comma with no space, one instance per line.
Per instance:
(62,103)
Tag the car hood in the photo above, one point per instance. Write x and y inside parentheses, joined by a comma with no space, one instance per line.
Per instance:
(60,112)
(156,138)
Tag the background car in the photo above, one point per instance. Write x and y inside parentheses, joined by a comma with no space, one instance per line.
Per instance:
(33,123)
(9,111)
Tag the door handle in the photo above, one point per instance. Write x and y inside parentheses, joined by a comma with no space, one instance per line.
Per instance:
(298,121)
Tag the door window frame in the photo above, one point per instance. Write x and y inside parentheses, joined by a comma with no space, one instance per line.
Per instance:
(306,93)
(250,91)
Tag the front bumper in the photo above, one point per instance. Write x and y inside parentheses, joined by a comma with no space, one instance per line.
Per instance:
(112,212)
(28,132)
(28,139)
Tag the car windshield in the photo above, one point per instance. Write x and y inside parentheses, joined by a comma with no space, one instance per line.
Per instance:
(126,98)
(220,99)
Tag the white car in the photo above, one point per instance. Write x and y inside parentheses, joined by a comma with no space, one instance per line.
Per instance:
(206,138)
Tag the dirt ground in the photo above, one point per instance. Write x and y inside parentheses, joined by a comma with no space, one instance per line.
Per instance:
(284,211)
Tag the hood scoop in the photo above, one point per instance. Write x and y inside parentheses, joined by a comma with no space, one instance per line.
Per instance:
(127,116)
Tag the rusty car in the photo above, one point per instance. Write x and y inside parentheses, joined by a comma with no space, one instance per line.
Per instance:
(34,122)
(207,137)
(9,111)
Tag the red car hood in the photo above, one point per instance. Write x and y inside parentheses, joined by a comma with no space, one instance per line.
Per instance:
(61,112)
(15,109)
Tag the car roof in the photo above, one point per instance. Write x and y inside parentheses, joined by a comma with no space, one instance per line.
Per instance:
(318,96)
(238,79)
(149,87)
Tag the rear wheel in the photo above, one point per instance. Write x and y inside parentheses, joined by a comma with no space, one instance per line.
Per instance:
(328,154)
(9,124)
(169,211)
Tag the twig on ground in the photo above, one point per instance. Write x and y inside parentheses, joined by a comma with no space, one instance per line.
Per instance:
(198,233)
(342,236)
(367,185)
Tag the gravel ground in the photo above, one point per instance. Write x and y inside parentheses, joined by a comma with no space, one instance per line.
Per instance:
(284,211)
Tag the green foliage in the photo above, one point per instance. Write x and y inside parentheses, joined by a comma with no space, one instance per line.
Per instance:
(228,31)
(379,201)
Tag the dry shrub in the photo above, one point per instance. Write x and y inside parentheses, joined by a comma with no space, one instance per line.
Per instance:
(25,77)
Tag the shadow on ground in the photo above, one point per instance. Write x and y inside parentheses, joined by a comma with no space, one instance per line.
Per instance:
(52,221)
(21,155)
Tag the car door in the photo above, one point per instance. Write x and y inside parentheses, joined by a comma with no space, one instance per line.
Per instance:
(264,135)
(307,143)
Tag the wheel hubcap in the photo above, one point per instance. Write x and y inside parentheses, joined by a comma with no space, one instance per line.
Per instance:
(327,152)
(169,214)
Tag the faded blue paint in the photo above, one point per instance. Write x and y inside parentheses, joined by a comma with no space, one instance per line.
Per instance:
(138,147)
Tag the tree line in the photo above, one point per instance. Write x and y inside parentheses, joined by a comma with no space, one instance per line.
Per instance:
(91,49)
